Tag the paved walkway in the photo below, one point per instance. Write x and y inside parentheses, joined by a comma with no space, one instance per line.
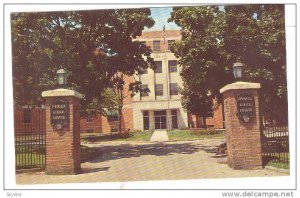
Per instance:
(159,136)
(134,161)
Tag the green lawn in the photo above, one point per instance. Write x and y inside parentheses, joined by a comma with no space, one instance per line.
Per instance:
(139,136)
(34,159)
(29,160)
(279,165)
(134,136)
(278,160)
(178,135)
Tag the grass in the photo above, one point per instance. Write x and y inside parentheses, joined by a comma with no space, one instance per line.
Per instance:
(36,158)
(279,165)
(134,136)
(278,160)
(139,136)
(178,135)
(29,160)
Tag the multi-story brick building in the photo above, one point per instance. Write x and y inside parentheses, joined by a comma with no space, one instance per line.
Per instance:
(160,108)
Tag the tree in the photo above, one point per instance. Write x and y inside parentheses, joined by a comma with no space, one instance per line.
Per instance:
(198,102)
(213,39)
(93,46)
(201,57)
(256,34)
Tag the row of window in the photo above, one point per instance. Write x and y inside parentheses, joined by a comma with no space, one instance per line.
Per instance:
(158,67)
(159,89)
(157,45)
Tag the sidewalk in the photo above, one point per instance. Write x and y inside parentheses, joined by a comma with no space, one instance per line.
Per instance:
(159,136)
(151,161)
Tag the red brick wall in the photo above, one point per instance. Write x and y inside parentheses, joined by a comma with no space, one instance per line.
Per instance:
(127,122)
(63,146)
(37,124)
(216,121)
(243,139)
(95,126)
(127,119)
(101,124)
(127,94)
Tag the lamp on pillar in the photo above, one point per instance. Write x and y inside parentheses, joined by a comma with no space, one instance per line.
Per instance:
(238,70)
(62,128)
(61,78)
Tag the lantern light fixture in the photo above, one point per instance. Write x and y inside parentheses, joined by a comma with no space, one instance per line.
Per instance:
(238,70)
(61,78)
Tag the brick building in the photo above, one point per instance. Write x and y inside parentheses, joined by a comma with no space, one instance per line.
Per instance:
(161,107)
(93,122)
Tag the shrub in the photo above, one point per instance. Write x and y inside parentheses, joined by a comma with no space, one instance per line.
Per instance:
(206,132)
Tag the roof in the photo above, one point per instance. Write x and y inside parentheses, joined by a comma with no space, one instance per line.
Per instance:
(159,34)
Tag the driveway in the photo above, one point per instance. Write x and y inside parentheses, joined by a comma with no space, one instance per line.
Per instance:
(132,161)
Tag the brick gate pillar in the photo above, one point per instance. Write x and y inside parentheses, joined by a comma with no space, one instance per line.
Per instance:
(62,131)
(242,125)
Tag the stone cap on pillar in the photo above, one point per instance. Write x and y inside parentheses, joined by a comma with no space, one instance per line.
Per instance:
(62,92)
(239,86)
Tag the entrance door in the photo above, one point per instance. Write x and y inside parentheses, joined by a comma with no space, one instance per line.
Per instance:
(160,119)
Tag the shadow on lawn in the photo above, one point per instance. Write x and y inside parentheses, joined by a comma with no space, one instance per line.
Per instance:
(106,153)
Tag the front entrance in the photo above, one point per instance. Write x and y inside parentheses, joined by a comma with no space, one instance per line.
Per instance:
(160,119)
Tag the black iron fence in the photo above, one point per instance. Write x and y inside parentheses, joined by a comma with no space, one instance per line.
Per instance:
(275,144)
(30,141)
(274,136)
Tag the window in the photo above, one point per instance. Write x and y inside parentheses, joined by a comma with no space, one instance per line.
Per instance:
(159,89)
(144,91)
(146,120)
(114,130)
(173,89)
(27,115)
(143,71)
(174,112)
(160,119)
(89,117)
(160,113)
(170,42)
(172,66)
(174,119)
(156,46)
(112,118)
(158,67)
(143,43)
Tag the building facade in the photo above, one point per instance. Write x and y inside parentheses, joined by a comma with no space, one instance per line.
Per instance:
(161,107)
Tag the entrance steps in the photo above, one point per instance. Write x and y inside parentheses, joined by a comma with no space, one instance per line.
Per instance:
(159,136)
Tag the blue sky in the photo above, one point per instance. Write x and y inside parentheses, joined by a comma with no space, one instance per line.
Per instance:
(160,16)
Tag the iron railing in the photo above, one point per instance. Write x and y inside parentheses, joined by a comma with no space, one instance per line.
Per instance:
(30,140)
(274,135)
(275,144)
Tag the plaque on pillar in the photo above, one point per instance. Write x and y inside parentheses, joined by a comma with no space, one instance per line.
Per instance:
(245,106)
(59,114)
